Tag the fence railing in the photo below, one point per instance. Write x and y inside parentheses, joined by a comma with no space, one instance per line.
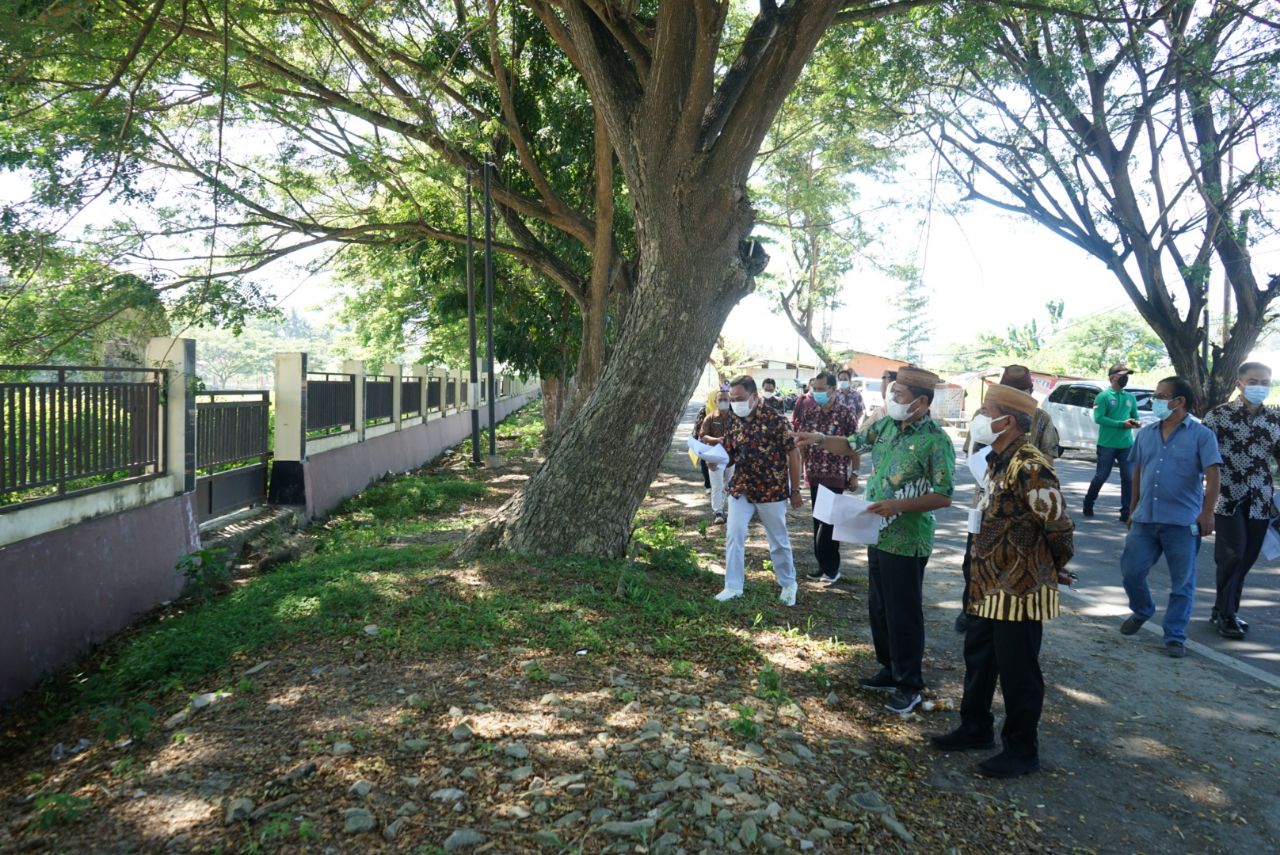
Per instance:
(61,433)
(379,400)
(331,403)
(233,444)
(434,387)
(410,396)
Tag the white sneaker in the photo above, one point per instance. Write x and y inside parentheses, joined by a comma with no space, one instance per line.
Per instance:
(726,595)
(788,596)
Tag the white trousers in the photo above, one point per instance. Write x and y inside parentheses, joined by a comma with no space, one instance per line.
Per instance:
(719,477)
(773,516)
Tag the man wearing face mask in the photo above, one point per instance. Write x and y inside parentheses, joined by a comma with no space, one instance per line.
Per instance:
(836,472)
(711,430)
(1116,413)
(913,476)
(1020,553)
(1175,473)
(1249,438)
(847,396)
(766,476)
(769,392)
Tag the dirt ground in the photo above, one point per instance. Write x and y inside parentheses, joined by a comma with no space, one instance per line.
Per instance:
(339,750)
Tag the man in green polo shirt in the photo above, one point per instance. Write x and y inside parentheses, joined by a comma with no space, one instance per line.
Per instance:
(914,475)
(1116,413)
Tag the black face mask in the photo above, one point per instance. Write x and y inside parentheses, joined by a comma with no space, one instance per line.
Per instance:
(1122,380)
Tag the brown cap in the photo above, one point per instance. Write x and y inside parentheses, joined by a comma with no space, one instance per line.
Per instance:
(910,375)
(1118,368)
(1017,376)
(1009,398)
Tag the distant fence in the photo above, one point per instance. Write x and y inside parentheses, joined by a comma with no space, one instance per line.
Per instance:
(62,434)
(331,403)
(233,444)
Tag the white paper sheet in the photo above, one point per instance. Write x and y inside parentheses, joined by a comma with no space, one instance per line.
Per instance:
(848,517)
(978,463)
(713,454)
(1271,545)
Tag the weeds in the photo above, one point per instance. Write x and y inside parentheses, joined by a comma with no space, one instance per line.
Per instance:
(134,721)
(56,809)
(206,572)
(744,724)
(769,686)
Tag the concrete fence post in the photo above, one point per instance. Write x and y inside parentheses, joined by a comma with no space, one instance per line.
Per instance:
(289,454)
(424,376)
(178,433)
(393,369)
(355,367)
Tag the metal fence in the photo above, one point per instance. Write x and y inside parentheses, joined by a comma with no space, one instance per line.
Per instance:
(451,393)
(331,404)
(410,396)
(379,403)
(233,442)
(61,433)
(434,385)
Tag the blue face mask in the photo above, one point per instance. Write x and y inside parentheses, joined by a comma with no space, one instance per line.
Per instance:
(822,398)
(1160,408)
(1256,394)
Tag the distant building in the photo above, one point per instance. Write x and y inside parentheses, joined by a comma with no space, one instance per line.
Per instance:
(788,375)
(871,364)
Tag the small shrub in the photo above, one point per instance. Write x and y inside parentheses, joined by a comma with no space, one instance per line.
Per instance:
(55,809)
(769,686)
(818,673)
(206,571)
(744,724)
(134,721)
(666,553)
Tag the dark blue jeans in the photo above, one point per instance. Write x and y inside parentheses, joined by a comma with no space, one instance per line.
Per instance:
(1144,545)
(1108,457)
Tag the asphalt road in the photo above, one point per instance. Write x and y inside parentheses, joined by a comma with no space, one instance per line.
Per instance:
(1099,541)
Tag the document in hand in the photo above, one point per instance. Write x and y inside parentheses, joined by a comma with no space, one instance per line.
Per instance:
(848,516)
(712,454)
(978,463)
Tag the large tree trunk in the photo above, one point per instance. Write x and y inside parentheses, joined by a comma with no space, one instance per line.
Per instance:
(583,498)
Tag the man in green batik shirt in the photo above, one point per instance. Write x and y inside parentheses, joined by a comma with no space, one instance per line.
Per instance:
(914,475)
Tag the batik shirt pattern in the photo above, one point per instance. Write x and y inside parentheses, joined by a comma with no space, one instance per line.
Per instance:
(758,447)
(908,462)
(1025,538)
(1248,444)
(851,399)
(823,467)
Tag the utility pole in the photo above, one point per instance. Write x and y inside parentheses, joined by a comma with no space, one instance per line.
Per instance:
(488,299)
(471,322)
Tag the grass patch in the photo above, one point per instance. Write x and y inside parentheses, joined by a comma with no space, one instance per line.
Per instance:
(519,436)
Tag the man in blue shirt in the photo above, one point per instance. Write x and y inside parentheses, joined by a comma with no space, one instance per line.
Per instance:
(1172,509)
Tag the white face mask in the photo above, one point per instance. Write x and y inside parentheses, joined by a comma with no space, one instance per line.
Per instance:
(981,431)
(898,412)
(741,409)
(765,393)
(722,405)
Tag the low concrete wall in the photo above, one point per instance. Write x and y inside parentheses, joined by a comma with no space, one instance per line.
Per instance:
(65,591)
(334,475)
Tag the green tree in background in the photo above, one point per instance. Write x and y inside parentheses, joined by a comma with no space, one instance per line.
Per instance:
(913,325)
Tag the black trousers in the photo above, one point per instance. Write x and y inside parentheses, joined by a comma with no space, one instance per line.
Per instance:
(1237,542)
(825,548)
(706,473)
(1010,651)
(895,605)
(966,567)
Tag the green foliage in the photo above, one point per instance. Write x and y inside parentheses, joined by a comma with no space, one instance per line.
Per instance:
(744,723)
(769,685)
(666,552)
(206,571)
(57,809)
(682,668)
(1103,340)
(134,720)
(818,674)
(913,325)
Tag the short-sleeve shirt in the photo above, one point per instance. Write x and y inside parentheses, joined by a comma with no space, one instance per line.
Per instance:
(1111,409)
(1171,486)
(823,467)
(909,462)
(851,399)
(758,446)
(1248,444)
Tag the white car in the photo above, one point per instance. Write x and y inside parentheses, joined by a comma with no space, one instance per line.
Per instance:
(1070,405)
(871,391)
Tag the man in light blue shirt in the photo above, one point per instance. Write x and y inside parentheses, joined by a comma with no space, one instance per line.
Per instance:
(1175,480)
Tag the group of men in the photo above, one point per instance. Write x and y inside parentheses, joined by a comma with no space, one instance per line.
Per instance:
(1020,531)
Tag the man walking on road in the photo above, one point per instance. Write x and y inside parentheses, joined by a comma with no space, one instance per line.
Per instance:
(914,475)
(766,475)
(1019,556)
(836,472)
(1116,413)
(769,392)
(1249,439)
(1176,463)
(847,396)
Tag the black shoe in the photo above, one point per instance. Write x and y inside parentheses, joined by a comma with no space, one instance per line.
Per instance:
(1124,518)
(903,701)
(962,740)
(1132,624)
(1215,619)
(1006,765)
(1088,510)
(1229,627)
(962,622)
(1176,649)
(882,682)
(815,575)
